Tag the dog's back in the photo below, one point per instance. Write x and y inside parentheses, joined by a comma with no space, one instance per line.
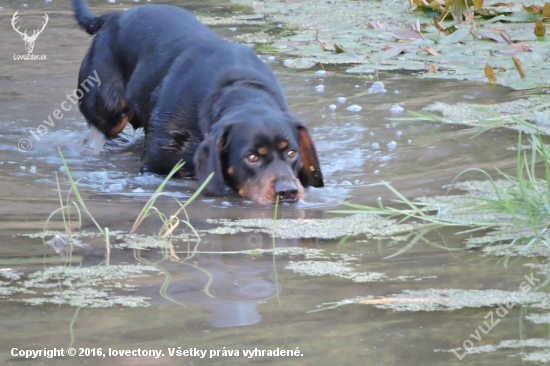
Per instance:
(141,52)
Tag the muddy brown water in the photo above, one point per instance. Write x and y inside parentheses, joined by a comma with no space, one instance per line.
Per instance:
(255,300)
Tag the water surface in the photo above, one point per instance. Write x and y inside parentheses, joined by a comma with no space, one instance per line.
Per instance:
(253,300)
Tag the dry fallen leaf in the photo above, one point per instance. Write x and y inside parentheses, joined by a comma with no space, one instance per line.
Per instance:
(518,66)
(431,69)
(501,69)
(533,9)
(440,27)
(539,31)
(376,25)
(430,51)
(478,4)
(546,10)
(490,74)
(326,47)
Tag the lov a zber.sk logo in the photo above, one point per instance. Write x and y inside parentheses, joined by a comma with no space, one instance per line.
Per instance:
(29,40)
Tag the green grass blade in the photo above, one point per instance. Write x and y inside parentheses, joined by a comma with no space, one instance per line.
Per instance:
(145,211)
(488,111)
(420,116)
(76,192)
(198,191)
(544,151)
(273,236)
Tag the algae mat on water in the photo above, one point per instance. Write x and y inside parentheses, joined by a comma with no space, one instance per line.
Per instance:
(392,35)
(370,225)
(76,286)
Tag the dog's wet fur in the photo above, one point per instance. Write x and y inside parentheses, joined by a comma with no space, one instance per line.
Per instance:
(199,98)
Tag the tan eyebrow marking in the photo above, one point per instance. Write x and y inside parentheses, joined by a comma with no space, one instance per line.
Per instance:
(230,170)
(262,150)
(283,144)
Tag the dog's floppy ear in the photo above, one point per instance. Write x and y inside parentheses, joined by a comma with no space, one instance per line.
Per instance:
(310,172)
(208,159)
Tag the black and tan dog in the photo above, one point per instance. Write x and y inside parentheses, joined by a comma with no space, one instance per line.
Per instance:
(199,98)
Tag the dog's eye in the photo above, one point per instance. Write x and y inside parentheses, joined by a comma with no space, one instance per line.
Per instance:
(252,158)
(291,153)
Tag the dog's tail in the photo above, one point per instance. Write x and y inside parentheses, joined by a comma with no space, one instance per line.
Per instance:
(85,18)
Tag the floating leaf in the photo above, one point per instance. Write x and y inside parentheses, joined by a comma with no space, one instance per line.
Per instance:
(459,35)
(508,7)
(392,52)
(540,31)
(515,49)
(546,10)
(427,11)
(520,17)
(490,74)
(363,69)
(299,63)
(497,35)
(407,34)
(501,69)
(506,37)
(518,66)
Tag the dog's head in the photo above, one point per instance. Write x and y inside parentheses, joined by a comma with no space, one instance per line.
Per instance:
(259,155)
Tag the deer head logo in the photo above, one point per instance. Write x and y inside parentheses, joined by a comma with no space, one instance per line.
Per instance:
(29,40)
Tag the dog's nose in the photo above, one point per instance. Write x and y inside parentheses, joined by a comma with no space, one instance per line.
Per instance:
(286,191)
